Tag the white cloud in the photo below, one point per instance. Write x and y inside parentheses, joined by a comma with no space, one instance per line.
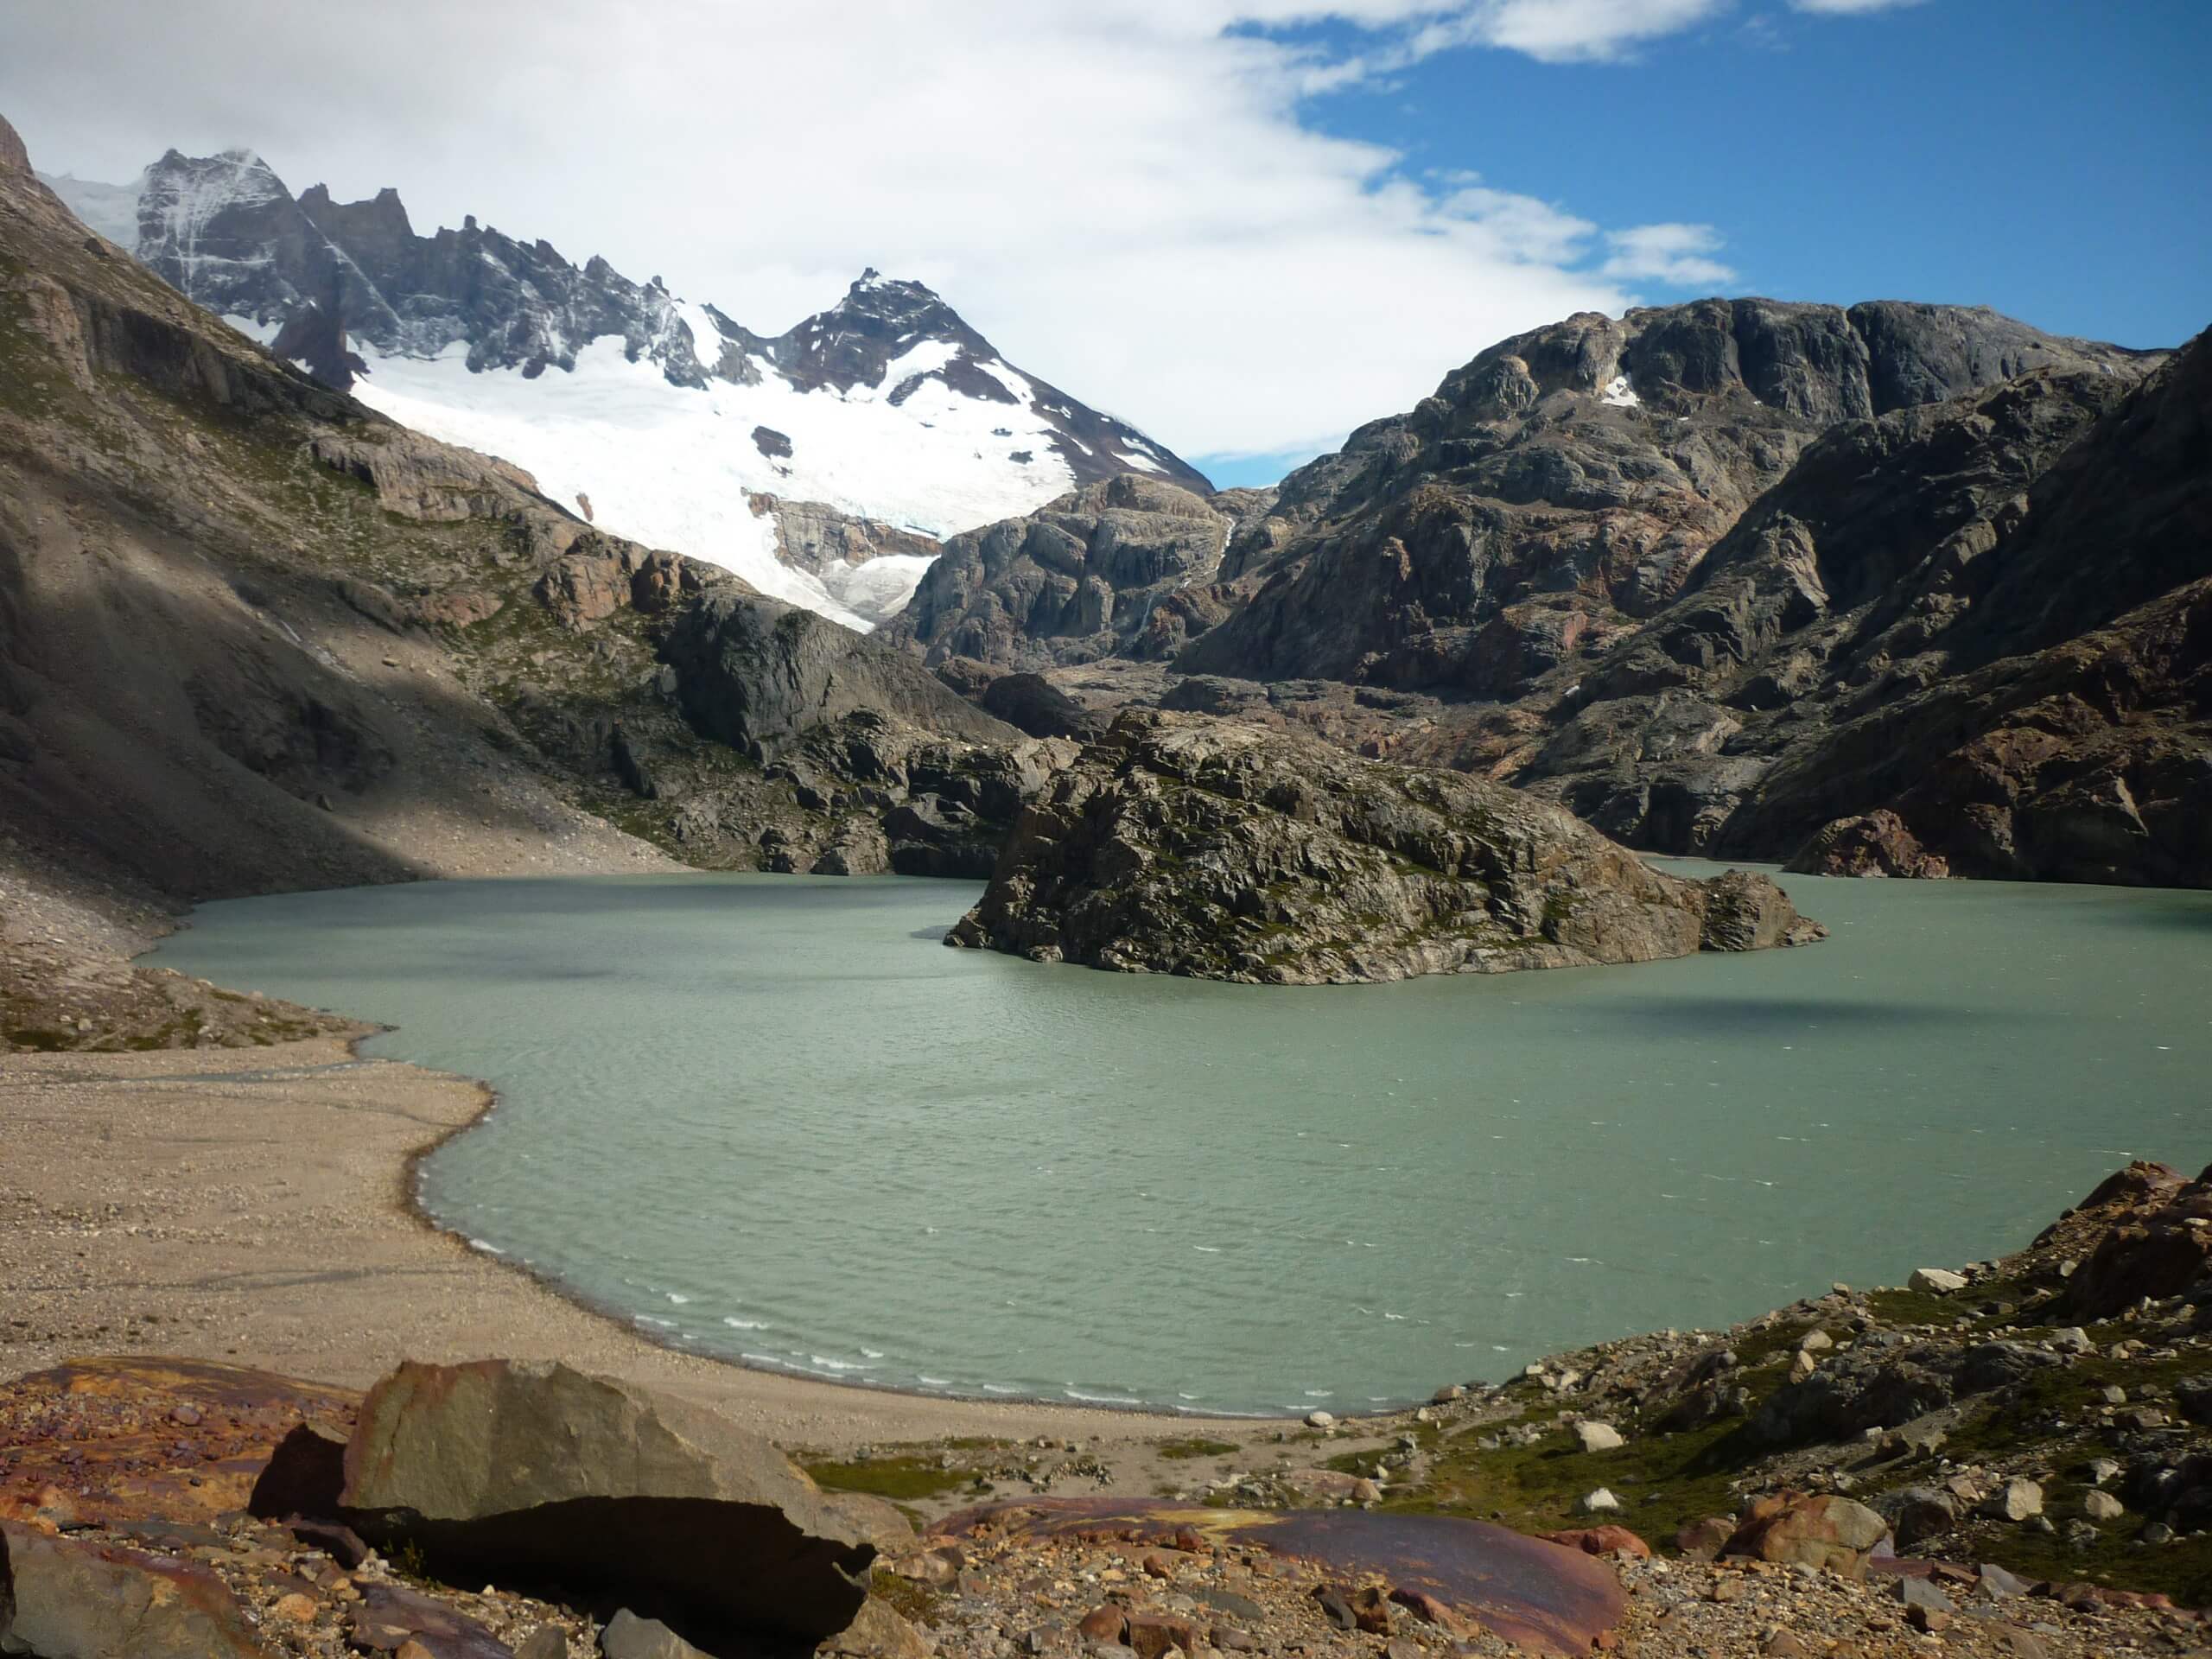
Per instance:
(1849,8)
(1680,255)
(1564,31)
(1123,194)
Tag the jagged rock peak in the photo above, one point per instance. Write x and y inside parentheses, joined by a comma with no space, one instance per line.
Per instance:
(13,156)
(1817,363)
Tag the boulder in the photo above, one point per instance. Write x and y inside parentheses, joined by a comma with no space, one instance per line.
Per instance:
(877,1632)
(628,1637)
(1601,1541)
(62,1599)
(1936,1282)
(1598,1437)
(2016,1500)
(536,1473)
(1833,1533)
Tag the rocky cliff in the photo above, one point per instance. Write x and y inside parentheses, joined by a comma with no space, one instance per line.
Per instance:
(1177,844)
(1982,622)
(1118,568)
(1569,481)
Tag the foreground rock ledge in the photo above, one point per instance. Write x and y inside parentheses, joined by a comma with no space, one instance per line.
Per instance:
(1219,851)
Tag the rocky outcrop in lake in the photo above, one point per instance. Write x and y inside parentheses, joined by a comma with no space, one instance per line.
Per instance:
(1177,844)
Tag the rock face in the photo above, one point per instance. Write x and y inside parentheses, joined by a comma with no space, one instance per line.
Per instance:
(13,156)
(670,1509)
(1900,660)
(757,673)
(1181,845)
(1115,568)
(1572,479)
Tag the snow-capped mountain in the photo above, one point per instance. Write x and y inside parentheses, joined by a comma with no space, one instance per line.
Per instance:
(886,417)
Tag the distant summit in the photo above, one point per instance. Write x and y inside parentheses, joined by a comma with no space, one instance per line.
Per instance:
(886,413)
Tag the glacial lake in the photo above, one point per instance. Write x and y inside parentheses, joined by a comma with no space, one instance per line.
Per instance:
(772,1118)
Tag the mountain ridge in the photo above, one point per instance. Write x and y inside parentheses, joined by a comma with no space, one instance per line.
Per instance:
(886,406)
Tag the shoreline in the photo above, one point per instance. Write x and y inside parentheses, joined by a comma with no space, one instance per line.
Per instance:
(256,1206)
(410,1200)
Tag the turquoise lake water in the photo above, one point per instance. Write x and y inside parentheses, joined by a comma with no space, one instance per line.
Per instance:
(773,1118)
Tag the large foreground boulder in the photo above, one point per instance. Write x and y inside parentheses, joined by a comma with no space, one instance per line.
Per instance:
(1222,851)
(64,1600)
(607,1493)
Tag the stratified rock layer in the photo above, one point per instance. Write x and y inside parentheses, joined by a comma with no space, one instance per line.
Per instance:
(1182,845)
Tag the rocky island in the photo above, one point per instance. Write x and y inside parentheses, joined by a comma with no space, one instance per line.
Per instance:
(1182,845)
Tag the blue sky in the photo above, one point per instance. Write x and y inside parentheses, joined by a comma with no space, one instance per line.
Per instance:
(2052,159)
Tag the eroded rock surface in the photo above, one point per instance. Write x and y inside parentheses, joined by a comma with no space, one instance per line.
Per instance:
(1182,845)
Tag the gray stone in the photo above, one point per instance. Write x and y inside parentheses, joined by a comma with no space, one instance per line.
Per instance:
(2016,1500)
(628,1637)
(1940,1281)
(1598,1437)
(2101,1506)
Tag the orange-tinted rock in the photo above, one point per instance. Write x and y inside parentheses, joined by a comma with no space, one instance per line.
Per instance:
(1601,1541)
(1150,1635)
(1831,1533)
(1107,1624)
(60,1597)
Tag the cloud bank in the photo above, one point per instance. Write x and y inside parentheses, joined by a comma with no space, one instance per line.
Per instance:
(1124,194)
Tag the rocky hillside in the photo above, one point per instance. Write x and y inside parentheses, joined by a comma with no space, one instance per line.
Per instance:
(1970,637)
(1569,481)
(1177,844)
(1116,569)
(595,382)
(254,636)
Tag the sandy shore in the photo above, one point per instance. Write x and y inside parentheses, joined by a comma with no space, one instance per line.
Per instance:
(250,1205)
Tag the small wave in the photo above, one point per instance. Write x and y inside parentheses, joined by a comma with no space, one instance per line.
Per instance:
(678,1297)
(839,1365)
(1209,1249)
(1104,1399)
(993,1388)
(488,1248)
(933,1382)
(1320,1394)
(870,1353)
(745,1324)
(658,1324)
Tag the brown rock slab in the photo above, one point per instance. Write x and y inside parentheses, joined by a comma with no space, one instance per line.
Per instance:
(117,1449)
(1521,1589)
(62,1599)
(390,1617)
(1601,1541)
